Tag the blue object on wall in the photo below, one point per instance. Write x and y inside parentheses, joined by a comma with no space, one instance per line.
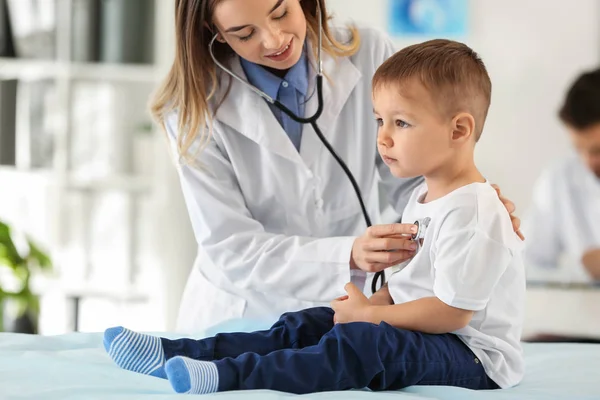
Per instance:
(428,17)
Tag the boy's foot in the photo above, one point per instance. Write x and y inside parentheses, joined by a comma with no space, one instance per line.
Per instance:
(135,352)
(192,376)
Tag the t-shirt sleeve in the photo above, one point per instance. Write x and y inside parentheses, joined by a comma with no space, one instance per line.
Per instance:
(468,263)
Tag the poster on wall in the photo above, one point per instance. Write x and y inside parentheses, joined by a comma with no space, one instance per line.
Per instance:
(441,18)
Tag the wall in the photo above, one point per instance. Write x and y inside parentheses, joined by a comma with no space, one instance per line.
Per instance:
(533,49)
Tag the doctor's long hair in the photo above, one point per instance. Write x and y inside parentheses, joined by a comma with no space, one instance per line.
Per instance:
(193,81)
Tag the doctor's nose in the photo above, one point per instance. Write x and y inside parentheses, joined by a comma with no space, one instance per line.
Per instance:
(272,38)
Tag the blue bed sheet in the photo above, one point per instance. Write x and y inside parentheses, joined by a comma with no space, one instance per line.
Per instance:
(75,366)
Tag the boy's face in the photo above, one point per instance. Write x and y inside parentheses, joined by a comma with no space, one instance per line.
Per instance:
(413,136)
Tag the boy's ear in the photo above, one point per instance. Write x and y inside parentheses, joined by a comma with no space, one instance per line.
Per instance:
(463,127)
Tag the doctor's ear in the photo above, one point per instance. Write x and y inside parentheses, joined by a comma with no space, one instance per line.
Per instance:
(213,29)
(221,39)
(463,127)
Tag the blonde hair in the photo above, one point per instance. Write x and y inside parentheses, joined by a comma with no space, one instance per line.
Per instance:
(192,81)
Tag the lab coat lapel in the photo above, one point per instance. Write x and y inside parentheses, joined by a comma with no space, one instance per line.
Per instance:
(250,115)
(339,80)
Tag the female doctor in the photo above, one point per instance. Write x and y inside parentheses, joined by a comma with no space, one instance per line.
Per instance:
(278,225)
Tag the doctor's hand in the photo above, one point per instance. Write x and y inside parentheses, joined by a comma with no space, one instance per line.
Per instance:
(510,207)
(351,308)
(383,246)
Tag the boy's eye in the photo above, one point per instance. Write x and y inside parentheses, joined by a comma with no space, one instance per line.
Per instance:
(402,124)
(379,121)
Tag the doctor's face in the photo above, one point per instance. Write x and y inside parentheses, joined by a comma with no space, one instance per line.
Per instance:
(587,144)
(413,138)
(266,32)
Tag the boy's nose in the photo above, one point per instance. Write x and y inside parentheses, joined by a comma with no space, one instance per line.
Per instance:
(383,139)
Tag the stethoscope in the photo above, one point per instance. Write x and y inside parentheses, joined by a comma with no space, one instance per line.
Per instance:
(312,121)
(418,238)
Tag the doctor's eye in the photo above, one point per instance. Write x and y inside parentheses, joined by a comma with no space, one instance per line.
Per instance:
(247,37)
(402,124)
(282,16)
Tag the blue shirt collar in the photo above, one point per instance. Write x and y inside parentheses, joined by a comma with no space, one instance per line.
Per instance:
(297,76)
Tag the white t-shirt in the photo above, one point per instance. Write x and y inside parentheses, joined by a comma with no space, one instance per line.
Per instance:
(470,258)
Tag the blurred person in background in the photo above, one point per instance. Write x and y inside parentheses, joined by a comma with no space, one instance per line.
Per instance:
(563,225)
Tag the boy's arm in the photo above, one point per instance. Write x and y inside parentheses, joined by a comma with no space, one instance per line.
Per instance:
(428,315)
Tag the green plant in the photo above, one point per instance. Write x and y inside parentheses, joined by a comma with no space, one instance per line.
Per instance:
(21,265)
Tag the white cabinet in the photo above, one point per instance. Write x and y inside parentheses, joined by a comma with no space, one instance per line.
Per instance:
(111,211)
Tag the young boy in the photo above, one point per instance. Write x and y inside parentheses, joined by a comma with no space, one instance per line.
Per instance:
(450,316)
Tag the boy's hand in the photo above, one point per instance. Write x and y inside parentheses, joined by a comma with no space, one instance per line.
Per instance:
(383,246)
(351,308)
(510,207)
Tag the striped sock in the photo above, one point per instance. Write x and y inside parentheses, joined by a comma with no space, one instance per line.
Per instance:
(192,376)
(135,351)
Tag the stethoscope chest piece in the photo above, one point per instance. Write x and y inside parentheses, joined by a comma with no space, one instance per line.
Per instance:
(419,237)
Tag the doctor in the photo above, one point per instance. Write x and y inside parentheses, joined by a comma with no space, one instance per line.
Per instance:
(567,196)
(278,225)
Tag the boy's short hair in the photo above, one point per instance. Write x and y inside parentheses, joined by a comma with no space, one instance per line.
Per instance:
(451,71)
(581,107)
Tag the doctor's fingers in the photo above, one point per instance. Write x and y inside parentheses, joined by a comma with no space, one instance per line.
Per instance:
(377,267)
(391,230)
(516,223)
(389,244)
(509,205)
(387,259)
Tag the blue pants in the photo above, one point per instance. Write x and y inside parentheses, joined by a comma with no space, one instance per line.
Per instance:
(304,352)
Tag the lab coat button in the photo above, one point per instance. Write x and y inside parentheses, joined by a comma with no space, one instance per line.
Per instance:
(319,203)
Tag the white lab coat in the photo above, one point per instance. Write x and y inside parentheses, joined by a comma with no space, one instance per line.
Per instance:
(275,226)
(563,223)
